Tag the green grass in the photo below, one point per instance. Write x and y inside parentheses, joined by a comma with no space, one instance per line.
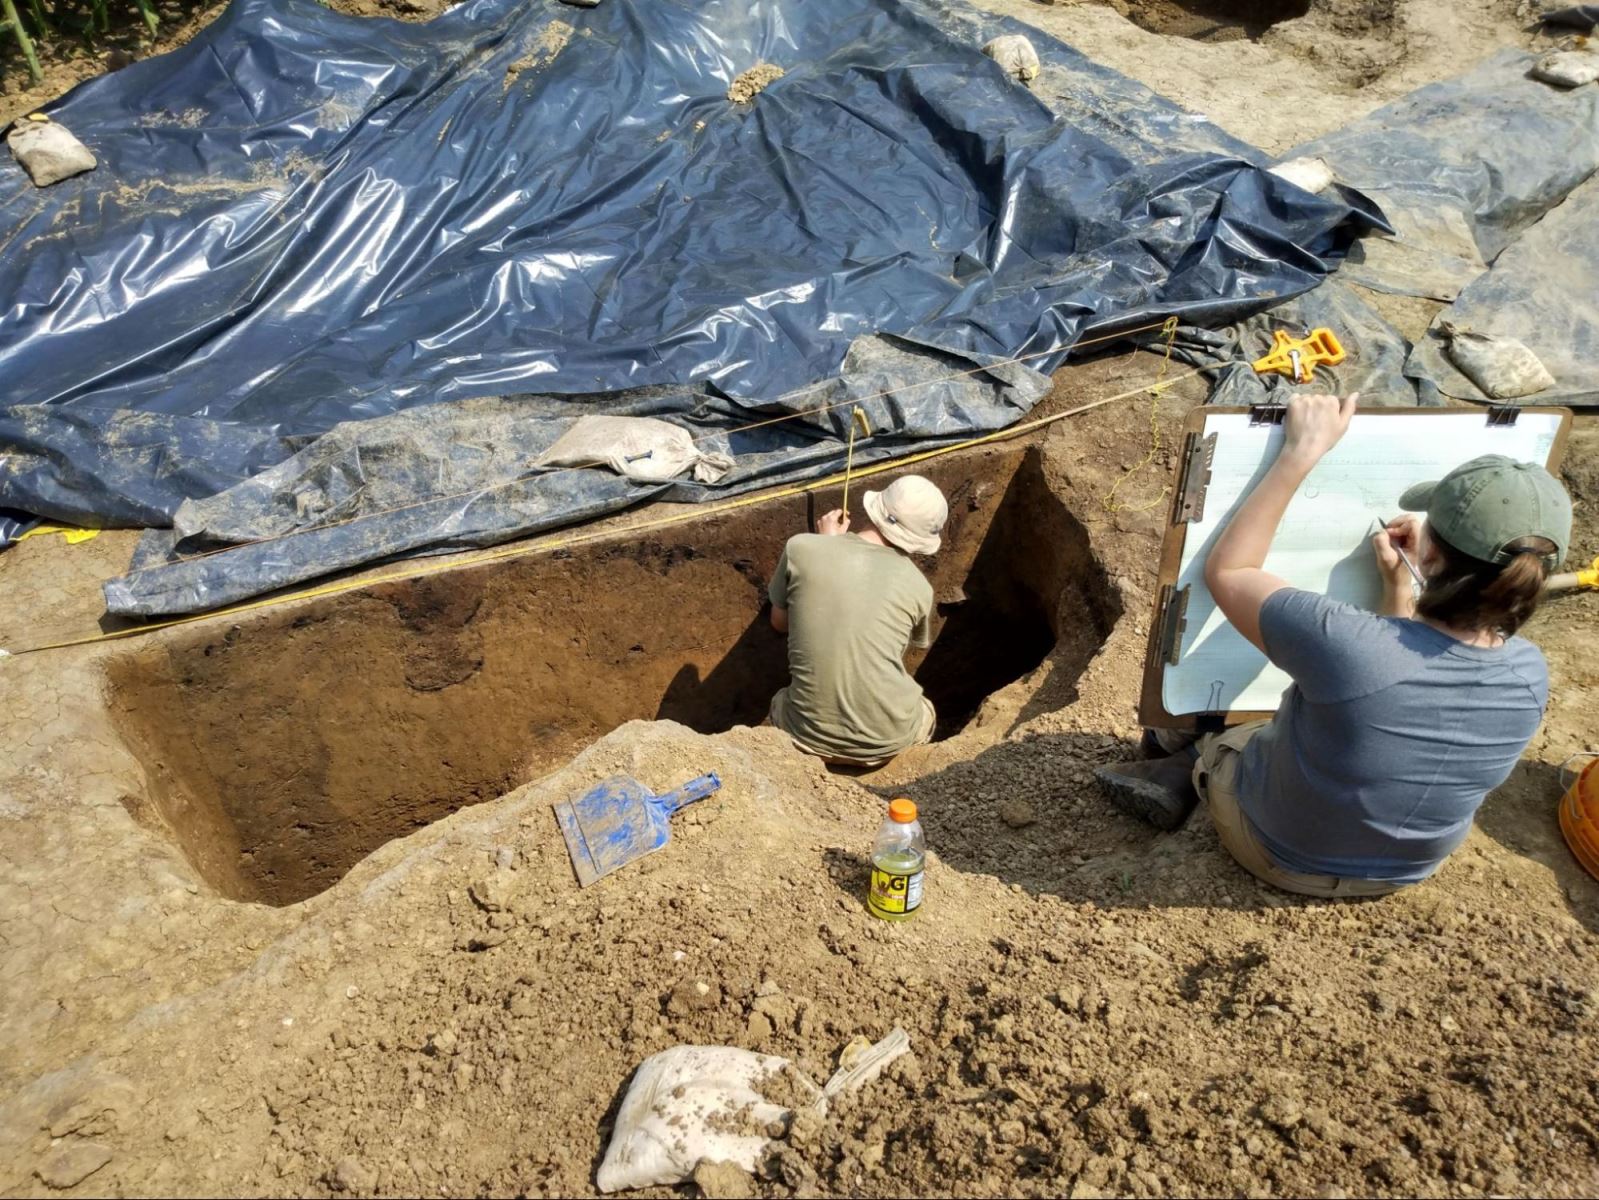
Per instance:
(47,22)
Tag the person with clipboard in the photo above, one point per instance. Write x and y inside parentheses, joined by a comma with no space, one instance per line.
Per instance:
(1398,723)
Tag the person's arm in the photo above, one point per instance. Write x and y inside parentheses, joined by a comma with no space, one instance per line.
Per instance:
(1233,567)
(777,593)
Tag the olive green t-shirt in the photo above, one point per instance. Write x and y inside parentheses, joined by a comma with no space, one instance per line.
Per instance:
(854,607)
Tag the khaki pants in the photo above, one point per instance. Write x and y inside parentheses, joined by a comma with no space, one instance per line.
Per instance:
(1216,780)
(924,735)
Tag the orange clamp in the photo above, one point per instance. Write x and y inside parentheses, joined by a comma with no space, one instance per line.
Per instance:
(1298,358)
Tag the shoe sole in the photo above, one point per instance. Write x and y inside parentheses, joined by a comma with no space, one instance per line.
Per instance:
(1147,801)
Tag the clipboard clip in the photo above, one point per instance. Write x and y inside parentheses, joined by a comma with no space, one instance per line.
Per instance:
(1503,414)
(1173,610)
(1193,479)
(1267,414)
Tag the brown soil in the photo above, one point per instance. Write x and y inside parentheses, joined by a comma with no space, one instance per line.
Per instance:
(1093,1007)
(266,769)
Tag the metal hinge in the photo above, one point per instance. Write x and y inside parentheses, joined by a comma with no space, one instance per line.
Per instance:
(1194,480)
(1173,621)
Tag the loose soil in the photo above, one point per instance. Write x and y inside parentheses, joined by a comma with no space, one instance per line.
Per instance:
(1093,1007)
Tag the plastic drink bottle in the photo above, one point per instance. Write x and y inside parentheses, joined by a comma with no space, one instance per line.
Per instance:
(898,858)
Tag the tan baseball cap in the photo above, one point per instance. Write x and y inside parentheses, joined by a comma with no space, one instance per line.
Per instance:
(910,513)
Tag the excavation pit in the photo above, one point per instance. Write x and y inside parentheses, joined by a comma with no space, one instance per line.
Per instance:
(280,751)
(1214,20)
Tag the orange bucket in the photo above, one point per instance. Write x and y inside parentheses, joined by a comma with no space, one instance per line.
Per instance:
(1579,813)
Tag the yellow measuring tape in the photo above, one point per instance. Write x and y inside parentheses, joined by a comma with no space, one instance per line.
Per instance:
(694,513)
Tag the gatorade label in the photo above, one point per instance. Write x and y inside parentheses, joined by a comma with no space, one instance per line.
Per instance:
(895,893)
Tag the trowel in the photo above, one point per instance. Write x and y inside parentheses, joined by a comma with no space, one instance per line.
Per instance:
(619,820)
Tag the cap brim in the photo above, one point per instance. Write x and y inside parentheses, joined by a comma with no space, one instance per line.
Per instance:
(1418,498)
(897,535)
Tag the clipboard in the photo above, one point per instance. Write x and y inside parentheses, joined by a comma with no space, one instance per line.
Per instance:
(1199,673)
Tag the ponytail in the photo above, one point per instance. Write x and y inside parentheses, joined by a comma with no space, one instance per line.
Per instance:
(1467,593)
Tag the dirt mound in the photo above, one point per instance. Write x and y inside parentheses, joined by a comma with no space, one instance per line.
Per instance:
(753,82)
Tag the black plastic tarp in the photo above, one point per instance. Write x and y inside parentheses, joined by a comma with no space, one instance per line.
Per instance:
(1543,291)
(303,219)
(1461,167)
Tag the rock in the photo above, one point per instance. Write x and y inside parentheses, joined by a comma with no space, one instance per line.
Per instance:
(504,857)
(70,1163)
(759,1028)
(442,1044)
(693,995)
(719,1180)
(1016,55)
(352,1175)
(1282,1111)
(1017,813)
(492,893)
(48,152)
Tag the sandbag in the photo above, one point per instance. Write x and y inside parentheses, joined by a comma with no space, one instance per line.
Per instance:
(48,152)
(1502,367)
(1016,55)
(693,1105)
(1567,68)
(639,447)
(688,1105)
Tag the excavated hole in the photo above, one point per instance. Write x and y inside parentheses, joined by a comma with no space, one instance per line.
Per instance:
(1214,20)
(281,752)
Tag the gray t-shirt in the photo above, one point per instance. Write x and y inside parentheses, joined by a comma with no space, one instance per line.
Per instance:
(1386,743)
(853,609)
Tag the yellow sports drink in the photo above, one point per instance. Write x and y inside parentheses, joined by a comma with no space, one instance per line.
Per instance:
(899,857)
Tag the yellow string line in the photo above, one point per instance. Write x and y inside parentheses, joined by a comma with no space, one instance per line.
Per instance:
(523,548)
(1108,500)
(777,420)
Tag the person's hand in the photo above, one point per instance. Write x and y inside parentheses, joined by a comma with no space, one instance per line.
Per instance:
(1403,533)
(834,522)
(1314,425)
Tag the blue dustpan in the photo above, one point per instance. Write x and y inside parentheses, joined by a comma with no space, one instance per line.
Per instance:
(619,820)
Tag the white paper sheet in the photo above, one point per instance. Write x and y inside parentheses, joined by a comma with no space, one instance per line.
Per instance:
(1323,544)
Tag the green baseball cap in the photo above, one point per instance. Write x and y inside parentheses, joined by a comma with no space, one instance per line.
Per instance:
(1483,505)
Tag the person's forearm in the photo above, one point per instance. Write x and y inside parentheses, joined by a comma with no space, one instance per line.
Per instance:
(1247,538)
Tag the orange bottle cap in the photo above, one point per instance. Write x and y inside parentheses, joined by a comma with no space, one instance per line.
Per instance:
(902,810)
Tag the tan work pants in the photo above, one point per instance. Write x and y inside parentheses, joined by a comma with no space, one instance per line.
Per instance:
(924,735)
(1216,780)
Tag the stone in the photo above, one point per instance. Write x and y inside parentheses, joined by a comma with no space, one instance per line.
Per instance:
(1016,55)
(48,152)
(70,1163)
(352,1175)
(693,995)
(1017,813)
(492,893)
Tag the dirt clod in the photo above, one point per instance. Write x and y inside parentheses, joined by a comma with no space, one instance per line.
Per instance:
(753,82)
(70,1163)
(723,1181)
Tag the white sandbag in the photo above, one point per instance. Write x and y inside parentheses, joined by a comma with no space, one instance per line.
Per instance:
(692,1105)
(48,152)
(1501,367)
(1016,55)
(687,1105)
(1567,68)
(638,447)
(1311,173)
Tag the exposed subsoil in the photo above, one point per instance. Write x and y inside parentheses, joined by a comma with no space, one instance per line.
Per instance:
(1093,1007)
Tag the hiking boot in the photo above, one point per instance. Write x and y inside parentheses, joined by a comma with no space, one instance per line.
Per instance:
(1159,790)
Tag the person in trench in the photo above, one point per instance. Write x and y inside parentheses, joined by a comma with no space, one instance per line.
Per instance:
(1398,723)
(851,605)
